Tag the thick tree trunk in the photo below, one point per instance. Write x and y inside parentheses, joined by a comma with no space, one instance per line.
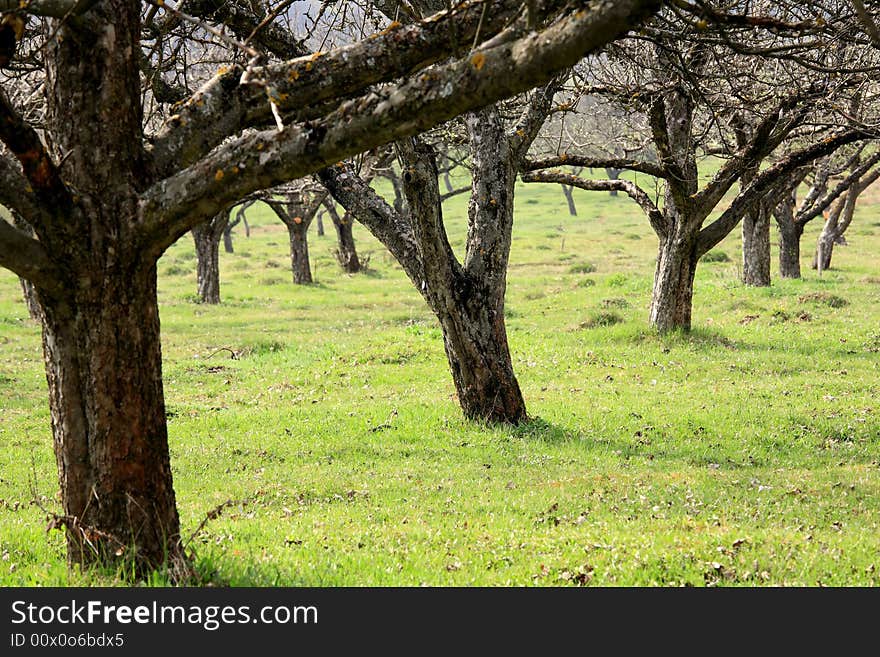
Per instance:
(207,238)
(469,300)
(756,246)
(104,368)
(475,340)
(790,249)
(299,252)
(101,334)
(673,295)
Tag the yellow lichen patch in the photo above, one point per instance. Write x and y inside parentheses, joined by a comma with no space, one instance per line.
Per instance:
(219,175)
(234,170)
(493,202)
(293,76)
(478,61)
(297,220)
(223,70)
(392,26)
(260,146)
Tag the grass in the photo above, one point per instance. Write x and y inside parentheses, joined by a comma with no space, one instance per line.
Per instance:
(744,453)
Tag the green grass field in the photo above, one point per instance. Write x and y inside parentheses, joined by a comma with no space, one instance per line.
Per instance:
(746,453)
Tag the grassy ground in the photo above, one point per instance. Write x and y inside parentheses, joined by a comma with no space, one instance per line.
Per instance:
(745,453)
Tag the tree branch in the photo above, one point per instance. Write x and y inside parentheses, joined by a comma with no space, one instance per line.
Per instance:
(636,193)
(712,234)
(537,109)
(367,207)
(49,8)
(304,85)
(26,257)
(39,169)
(170,207)
(812,210)
(594,163)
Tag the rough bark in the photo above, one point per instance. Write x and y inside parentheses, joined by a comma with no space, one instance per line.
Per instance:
(101,332)
(469,301)
(673,293)
(755,231)
(299,252)
(207,238)
(756,246)
(790,249)
(103,366)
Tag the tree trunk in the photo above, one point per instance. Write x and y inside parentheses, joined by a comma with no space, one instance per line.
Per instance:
(299,252)
(836,224)
(104,368)
(346,253)
(207,238)
(30,299)
(319,220)
(756,246)
(790,249)
(475,340)
(469,300)
(101,333)
(27,288)
(673,294)
(569,197)
(227,238)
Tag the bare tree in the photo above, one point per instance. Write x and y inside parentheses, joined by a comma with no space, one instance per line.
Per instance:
(107,193)
(297,206)
(693,90)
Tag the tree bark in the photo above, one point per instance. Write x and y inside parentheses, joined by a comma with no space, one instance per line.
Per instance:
(673,294)
(103,365)
(299,252)
(101,331)
(469,301)
(207,238)
(790,249)
(756,246)
(839,219)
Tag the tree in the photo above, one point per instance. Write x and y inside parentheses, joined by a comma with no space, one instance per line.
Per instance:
(840,216)
(684,83)
(792,216)
(301,201)
(107,195)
